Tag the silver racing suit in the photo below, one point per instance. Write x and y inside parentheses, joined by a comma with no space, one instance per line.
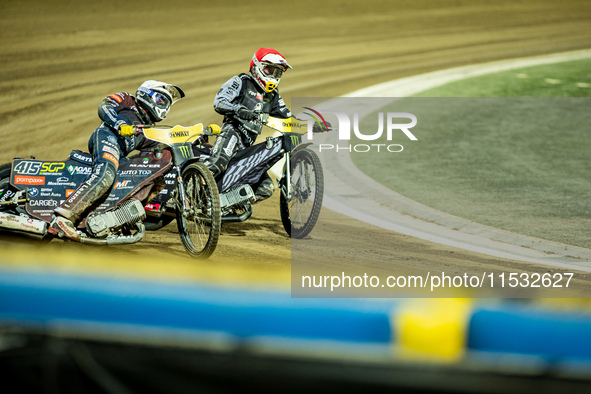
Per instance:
(240,92)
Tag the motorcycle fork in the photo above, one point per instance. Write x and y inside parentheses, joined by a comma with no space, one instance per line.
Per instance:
(182,203)
(287,189)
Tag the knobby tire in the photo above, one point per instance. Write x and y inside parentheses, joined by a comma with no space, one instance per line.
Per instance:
(300,214)
(200,231)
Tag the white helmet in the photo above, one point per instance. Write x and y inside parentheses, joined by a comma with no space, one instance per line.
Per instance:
(157,97)
(266,67)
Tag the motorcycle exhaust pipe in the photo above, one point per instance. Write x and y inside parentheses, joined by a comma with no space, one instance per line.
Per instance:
(29,226)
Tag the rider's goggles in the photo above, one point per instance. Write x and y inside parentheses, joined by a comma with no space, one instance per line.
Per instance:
(272,71)
(160,99)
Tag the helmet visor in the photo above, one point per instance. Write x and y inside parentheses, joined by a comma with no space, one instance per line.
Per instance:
(272,71)
(160,100)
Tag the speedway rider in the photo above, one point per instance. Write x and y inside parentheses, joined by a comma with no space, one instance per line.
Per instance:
(121,114)
(244,100)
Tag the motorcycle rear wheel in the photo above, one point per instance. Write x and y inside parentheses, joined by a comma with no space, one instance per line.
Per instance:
(4,176)
(199,228)
(300,214)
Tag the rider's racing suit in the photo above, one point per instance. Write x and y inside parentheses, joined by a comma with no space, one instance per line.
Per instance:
(242,91)
(107,147)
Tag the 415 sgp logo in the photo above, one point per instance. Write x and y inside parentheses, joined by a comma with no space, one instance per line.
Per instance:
(344,124)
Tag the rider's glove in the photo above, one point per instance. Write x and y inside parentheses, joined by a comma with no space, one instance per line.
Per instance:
(246,114)
(214,128)
(129,131)
(126,130)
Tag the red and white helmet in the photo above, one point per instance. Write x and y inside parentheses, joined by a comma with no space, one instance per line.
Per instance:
(266,67)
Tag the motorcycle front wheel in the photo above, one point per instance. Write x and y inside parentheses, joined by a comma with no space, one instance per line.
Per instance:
(200,225)
(300,213)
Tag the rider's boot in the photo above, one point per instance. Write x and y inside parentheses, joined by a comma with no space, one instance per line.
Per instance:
(265,189)
(60,224)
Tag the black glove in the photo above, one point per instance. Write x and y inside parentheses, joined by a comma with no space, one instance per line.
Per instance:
(246,114)
(319,128)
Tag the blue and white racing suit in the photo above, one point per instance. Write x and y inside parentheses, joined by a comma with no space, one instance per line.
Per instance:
(107,147)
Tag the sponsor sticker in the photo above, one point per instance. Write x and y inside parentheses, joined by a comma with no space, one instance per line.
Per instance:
(27,168)
(116,98)
(152,207)
(82,158)
(84,170)
(43,203)
(122,185)
(51,167)
(6,195)
(230,148)
(176,134)
(111,158)
(111,150)
(29,180)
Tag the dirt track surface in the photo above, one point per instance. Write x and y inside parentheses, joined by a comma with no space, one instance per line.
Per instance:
(60,60)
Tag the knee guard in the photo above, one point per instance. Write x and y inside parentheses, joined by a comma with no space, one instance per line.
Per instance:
(99,183)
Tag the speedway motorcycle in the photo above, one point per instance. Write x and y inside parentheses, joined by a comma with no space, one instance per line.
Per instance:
(31,189)
(301,184)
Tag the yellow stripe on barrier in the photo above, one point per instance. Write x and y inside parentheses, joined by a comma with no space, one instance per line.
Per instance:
(432,328)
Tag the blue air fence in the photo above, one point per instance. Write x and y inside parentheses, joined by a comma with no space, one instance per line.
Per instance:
(193,315)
